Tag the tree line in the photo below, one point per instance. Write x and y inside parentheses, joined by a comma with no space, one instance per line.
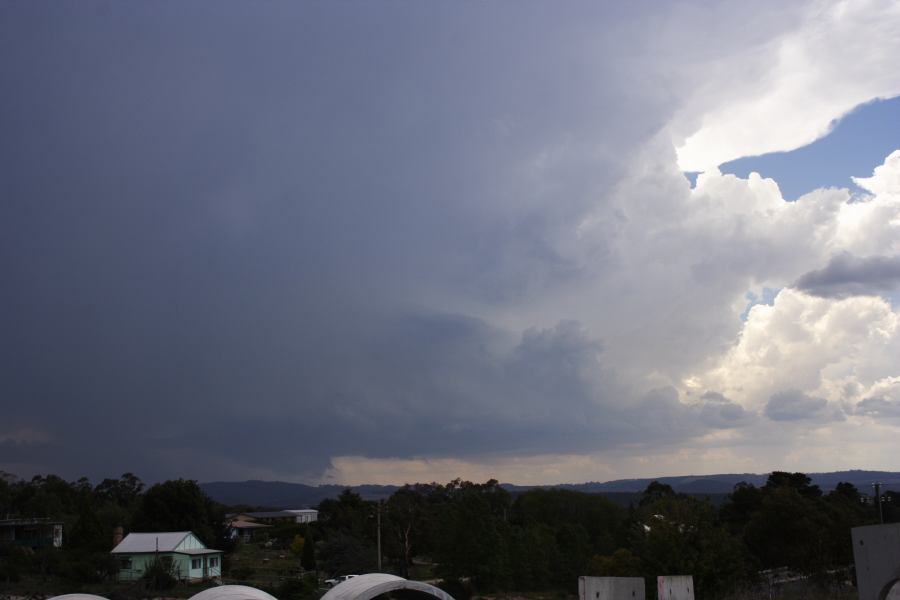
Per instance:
(90,515)
(482,538)
(476,537)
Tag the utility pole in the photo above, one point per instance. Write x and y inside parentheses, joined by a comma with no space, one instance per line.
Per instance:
(877,486)
(380,503)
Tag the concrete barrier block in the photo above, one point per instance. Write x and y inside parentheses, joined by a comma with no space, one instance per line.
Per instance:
(675,587)
(876,552)
(610,588)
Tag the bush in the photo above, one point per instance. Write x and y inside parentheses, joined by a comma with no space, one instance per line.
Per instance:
(243,573)
(160,575)
(8,572)
(459,589)
(79,568)
(298,589)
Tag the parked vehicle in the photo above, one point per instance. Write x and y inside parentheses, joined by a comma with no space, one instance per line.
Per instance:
(340,579)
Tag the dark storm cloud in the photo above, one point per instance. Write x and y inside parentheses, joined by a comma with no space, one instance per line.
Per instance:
(884,408)
(794,405)
(847,275)
(445,385)
(718,412)
(220,226)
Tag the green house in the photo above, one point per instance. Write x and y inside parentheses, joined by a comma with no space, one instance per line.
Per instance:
(189,558)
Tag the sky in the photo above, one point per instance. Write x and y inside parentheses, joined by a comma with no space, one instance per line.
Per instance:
(388,242)
(857,141)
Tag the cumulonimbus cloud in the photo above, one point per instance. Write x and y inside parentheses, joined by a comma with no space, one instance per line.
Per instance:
(359,236)
(794,405)
(848,275)
(803,81)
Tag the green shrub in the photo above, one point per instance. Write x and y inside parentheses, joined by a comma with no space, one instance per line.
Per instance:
(160,575)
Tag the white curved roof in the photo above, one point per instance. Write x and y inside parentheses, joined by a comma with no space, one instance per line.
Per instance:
(78,597)
(366,587)
(232,592)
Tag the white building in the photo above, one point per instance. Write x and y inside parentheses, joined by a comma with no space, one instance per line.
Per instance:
(305,515)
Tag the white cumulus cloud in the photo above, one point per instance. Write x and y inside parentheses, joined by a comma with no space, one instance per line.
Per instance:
(789,91)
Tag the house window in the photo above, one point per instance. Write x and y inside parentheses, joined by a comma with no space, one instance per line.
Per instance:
(125,563)
(214,561)
(195,563)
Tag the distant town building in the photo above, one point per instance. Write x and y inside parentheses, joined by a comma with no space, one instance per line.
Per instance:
(305,515)
(33,533)
(272,517)
(245,530)
(189,558)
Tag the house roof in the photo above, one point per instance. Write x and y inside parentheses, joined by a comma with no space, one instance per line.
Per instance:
(29,521)
(269,514)
(151,542)
(248,525)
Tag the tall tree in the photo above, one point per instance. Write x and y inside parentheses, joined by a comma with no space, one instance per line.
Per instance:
(404,516)
(790,529)
(89,533)
(680,534)
(124,491)
(180,505)
(348,514)
(308,555)
(740,506)
(797,481)
(474,532)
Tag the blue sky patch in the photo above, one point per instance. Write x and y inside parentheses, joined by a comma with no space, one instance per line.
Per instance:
(859,142)
(767,298)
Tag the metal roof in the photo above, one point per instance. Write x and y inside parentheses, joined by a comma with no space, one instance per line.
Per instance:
(366,587)
(151,542)
(232,592)
(29,521)
(248,525)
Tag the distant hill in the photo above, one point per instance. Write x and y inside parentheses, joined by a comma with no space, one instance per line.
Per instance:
(280,494)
